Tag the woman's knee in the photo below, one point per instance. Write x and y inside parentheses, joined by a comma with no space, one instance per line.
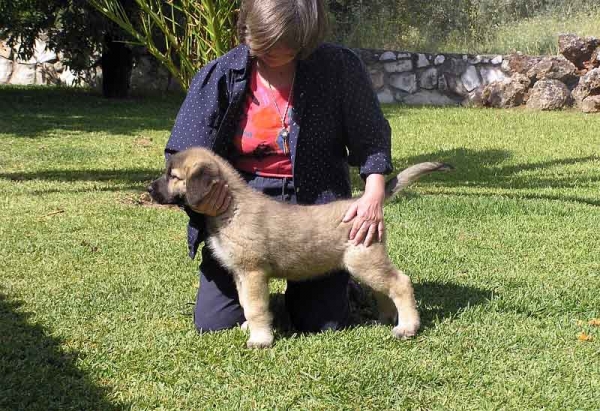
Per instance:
(319,305)
(208,321)
(217,303)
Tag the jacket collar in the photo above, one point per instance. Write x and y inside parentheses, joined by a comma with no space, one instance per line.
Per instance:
(241,60)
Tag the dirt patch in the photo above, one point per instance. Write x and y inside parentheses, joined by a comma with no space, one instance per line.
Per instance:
(144,200)
(143,142)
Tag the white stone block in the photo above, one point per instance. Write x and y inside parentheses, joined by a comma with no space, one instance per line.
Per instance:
(405,82)
(429,79)
(6,70)
(439,59)
(385,97)
(42,55)
(398,66)
(491,74)
(23,74)
(67,77)
(387,56)
(47,56)
(474,59)
(5,51)
(423,61)
(470,78)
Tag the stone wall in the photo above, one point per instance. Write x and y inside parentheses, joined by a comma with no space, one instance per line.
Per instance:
(544,83)
(539,82)
(46,68)
(431,79)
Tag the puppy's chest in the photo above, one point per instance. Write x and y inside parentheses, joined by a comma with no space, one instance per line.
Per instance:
(223,252)
(233,243)
(234,253)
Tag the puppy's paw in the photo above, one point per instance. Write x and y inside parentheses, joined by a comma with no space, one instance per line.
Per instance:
(262,340)
(245,326)
(405,331)
(259,344)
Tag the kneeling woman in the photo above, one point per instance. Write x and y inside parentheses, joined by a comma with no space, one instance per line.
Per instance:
(291,114)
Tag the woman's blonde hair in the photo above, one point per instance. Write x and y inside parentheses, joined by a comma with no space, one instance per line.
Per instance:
(299,24)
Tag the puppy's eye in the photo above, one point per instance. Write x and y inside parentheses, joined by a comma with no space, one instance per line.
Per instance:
(173,176)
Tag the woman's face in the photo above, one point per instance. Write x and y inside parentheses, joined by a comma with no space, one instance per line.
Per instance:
(279,55)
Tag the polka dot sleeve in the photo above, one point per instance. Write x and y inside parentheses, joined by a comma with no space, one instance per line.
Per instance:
(196,121)
(368,133)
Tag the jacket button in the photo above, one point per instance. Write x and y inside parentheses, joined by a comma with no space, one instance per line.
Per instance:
(297,189)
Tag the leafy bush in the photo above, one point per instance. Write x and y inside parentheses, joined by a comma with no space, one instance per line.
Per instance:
(459,25)
(182,34)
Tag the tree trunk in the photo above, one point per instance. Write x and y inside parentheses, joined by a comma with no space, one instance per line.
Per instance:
(117,63)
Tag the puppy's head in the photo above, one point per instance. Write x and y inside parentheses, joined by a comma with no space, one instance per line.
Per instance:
(189,176)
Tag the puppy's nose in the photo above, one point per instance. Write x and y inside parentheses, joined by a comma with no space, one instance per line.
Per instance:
(150,189)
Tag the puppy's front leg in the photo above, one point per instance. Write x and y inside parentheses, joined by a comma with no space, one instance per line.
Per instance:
(254,293)
(238,287)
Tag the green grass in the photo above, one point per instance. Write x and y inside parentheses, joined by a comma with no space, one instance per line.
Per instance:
(95,289)
(537,35)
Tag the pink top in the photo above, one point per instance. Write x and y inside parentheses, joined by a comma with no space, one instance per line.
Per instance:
(258,141)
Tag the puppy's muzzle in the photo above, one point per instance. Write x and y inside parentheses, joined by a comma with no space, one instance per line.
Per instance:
(159,192)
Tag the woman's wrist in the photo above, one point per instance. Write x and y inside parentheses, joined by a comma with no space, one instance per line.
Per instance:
(375,186)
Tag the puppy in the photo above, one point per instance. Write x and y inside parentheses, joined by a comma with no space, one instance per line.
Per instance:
(259,238)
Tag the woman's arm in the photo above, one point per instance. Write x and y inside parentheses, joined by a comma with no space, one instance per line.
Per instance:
(368,137)
(367,131)
(195,126)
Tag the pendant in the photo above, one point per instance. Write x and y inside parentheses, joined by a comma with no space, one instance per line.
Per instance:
(285,136)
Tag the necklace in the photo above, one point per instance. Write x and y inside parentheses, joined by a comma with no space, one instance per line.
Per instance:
(284,133)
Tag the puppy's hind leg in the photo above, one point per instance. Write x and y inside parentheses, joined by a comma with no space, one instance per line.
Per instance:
(385,307)
(401,292)
(375,270)
(253,290)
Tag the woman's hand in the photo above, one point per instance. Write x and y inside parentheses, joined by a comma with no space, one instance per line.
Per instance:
(216,202)
(367,212)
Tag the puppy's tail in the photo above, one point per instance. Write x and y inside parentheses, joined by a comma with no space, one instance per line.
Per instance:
(412,174)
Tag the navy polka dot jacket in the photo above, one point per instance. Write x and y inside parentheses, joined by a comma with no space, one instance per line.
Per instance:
(336,121)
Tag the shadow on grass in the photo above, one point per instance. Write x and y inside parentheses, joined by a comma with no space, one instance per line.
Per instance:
(137,178)
(124,175)
(30,112)
(36,374)
(485,169)
(594,202)
(473,169)
(439,301)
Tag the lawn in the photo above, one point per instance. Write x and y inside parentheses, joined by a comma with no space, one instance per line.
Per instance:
(484,27)
(96,290)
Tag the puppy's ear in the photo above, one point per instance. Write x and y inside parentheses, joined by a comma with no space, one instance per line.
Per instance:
(200,179)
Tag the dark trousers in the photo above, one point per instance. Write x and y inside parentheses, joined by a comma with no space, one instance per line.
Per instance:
(314,305)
